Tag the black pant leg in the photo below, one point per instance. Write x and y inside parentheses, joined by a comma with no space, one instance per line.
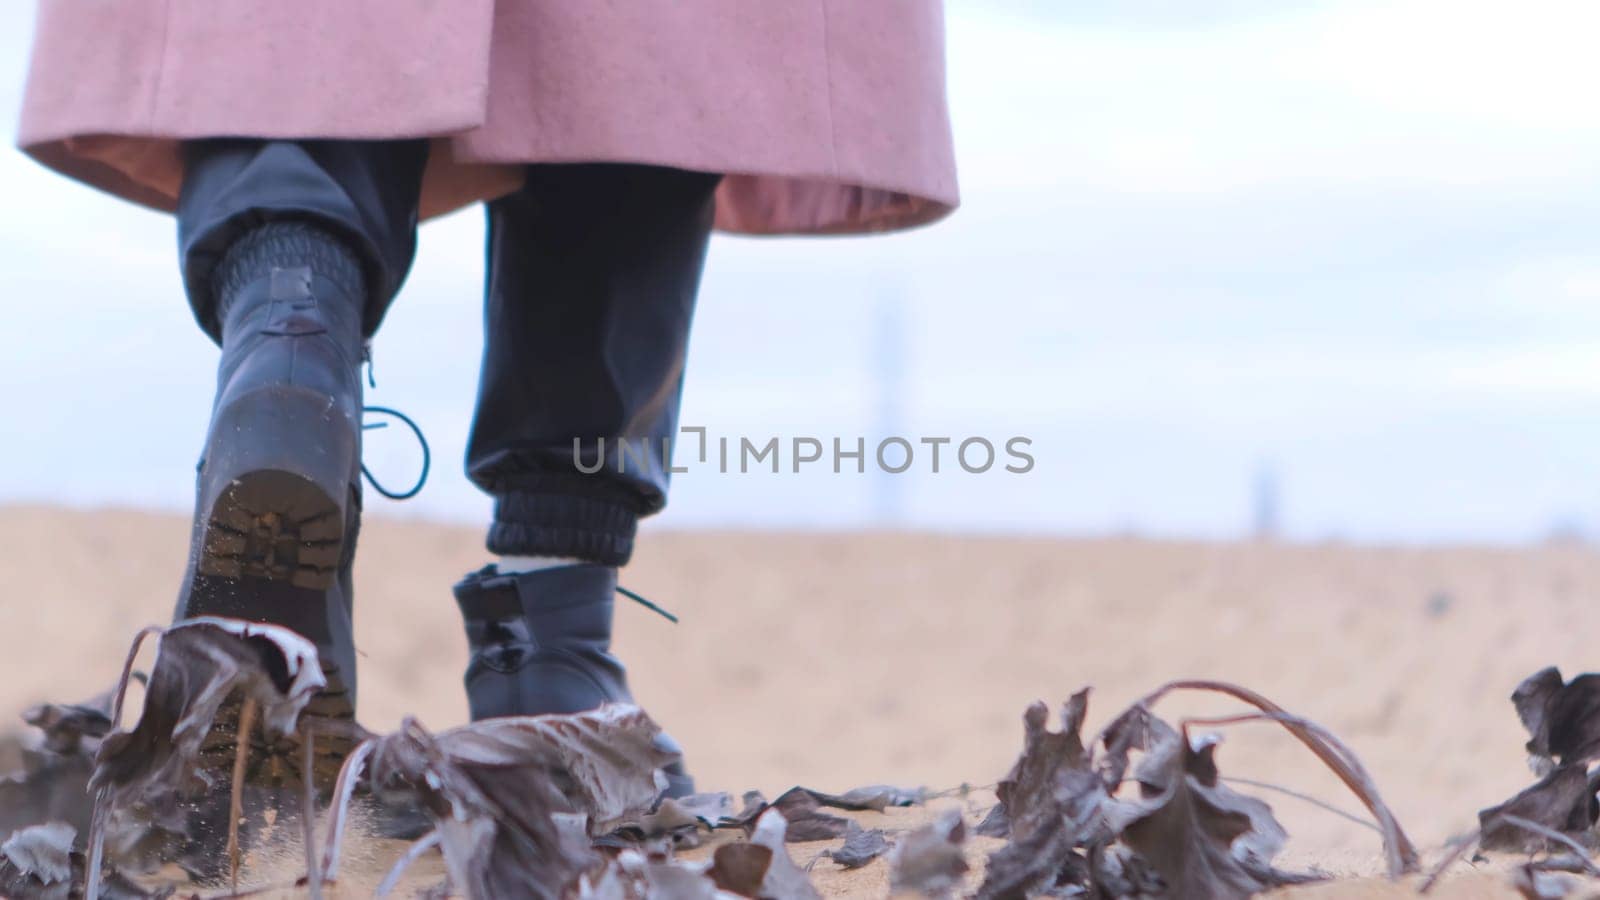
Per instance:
(364,191)
(593,273)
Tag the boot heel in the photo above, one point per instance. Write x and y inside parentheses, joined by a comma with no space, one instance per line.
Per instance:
(276,483)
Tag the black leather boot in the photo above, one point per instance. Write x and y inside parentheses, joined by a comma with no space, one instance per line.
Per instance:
(541,643)
(279,501)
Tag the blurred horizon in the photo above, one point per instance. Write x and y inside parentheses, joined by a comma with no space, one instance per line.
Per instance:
(1323,266)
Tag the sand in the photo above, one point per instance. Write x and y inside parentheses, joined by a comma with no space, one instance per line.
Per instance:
(834,660)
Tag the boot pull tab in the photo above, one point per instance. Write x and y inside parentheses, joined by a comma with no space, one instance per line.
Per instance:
(647,604)
(293,311)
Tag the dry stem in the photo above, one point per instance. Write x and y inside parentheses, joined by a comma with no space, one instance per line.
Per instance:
(241,757)
(1401,853)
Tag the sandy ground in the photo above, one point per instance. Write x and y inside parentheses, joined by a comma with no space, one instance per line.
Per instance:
(834,660)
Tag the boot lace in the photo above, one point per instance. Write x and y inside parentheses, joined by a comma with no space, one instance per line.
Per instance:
(427,456)
(647,604)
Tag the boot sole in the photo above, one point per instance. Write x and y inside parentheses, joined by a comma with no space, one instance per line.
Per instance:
(276,525)
(277,486)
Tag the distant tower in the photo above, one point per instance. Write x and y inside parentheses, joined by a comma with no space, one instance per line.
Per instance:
(888,367)
(1266,501)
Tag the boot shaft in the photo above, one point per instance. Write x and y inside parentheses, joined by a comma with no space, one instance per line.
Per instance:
(541,641)
(298,260)
(568,608)
(289,300)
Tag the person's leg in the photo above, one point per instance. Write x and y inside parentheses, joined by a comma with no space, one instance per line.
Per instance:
(291,252)
(594,270)
(593,273)
(362,193)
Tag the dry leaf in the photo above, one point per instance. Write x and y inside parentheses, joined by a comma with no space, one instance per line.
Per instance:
(740,868)
(1399,852)
(1028,792)
(676,881)
(754,804)
(996,823)
(52,788)
(930,860)
(51,780)
(604,762)
(1046,857)
(39,863)
(1207,841)
(611,884)
(801,806)
(495,825)
(1130,731)
(710,808)
(1534,883)
(42,852)
(1117,871)
(1563,719)
(669,820)
(807,821)
(630,876)
(66,726)
(1188,836)
(1052,802)
(784,880)
(859,848)
(873,797)
(200,664)
(495,788)
(140,776)
(675,823)
(1562,801)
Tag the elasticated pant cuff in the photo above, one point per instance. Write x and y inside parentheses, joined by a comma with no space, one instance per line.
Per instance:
(529,523)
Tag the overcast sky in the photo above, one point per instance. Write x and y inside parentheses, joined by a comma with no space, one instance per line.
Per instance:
(1351,242)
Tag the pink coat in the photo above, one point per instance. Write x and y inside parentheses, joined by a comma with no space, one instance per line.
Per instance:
(826,115)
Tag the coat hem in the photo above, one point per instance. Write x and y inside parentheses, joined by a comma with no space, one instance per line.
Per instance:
(753,200)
